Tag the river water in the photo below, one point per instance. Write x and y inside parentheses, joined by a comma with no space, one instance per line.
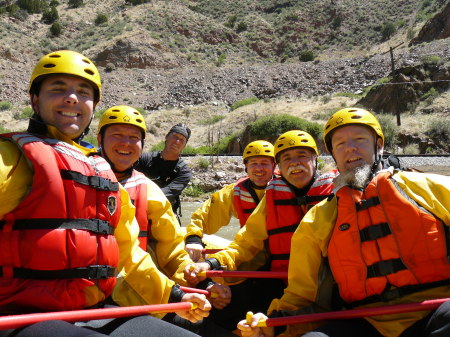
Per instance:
(227,232)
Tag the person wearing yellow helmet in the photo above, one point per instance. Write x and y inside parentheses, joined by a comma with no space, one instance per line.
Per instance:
(121,132)
(270,227)
(381,240)
(67,222)
(237,199)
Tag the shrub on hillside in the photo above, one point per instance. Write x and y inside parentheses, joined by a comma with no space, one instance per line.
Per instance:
(56,29)
(389,128)
(51,15)
(75,3)
(306,56)
(387,30)
(271,126)
(32,6)
(243,102)
(137,2)
(429,96)
(5,105)
(101,18)
(439,129)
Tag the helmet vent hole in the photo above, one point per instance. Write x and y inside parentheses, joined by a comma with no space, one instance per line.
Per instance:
(89,71)
(49,65)
(55,56)
(139,120)
(356,117)
(86,61)
(112,117)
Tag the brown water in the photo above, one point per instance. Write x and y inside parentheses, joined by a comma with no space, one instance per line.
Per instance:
(226,232)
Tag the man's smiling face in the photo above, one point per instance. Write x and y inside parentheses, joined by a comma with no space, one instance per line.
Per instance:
(65,102)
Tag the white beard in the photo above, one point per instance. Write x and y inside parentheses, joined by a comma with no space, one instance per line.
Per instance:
(357,178)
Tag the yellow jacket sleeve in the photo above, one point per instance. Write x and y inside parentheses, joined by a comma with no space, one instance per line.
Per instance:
(247,242)
(166,235)
(431,191)
(16,176)
(139,281)
(214,213)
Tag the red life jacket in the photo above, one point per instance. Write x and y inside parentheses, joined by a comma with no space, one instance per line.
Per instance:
(384,245)
(245,199)
(285,210)
(59,239)
(136,185)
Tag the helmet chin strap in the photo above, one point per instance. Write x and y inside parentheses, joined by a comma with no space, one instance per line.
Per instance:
(378,158)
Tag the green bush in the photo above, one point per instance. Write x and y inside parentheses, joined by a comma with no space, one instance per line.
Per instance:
(429,96)
(411,149)
(75,3)
(241,27)
(158,146)
(137,2)
(4,105)
(203,163)
(231,21)
(51,15)
(387,30)
(432,60)
(271,126)
(101,18)
(193,191)
(56,29)
(32,6)
(306,56)
(389,127)
(26,113)
(221,60)
(244,102)
(212,120)
(439,129)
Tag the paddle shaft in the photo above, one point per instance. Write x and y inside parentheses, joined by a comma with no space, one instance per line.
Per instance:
(355,313)
(246,274)
(17,321)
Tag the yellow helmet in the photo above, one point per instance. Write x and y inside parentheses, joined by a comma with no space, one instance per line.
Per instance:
(294,138)
(350,116)
(258,148)
(122,114)
(66,62)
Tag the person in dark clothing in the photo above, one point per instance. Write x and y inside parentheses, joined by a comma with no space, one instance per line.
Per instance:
(166,168)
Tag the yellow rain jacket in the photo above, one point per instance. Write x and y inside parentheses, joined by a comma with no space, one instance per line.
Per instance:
(215,212)
(248,242)
(166,244)
(310,243)
(139,280)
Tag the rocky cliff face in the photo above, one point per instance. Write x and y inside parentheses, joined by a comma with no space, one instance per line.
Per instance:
(436,28)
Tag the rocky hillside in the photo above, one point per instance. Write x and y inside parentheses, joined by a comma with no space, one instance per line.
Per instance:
(191,60)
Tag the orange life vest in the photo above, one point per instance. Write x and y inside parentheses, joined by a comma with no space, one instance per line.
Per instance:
(245,199)
(285,210)
(59,239)
(384,245)
(136,185)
